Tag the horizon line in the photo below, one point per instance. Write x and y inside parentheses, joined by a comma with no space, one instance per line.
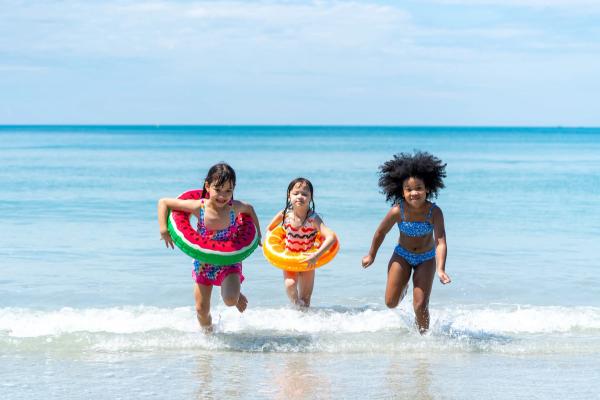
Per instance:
(158,126)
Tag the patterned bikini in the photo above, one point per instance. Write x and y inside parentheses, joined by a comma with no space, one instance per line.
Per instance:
(209,274)
(415,229)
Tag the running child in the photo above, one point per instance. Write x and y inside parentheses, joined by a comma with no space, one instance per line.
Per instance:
(301,224)
(409,181)
(216,215)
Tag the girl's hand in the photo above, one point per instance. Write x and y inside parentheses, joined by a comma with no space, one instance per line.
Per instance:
(167,238)
(367,261)
(445,279)
(311,260)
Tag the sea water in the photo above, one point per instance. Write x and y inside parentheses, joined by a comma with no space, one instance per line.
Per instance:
(92,304)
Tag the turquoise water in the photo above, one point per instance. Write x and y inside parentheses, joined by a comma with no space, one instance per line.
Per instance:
(93,305)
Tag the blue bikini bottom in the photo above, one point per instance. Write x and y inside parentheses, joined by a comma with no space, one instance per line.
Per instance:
(414,259)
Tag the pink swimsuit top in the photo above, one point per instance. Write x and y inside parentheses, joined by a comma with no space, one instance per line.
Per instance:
(301,238)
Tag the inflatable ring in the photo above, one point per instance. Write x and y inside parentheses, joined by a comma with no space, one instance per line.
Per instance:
(218,252)
(276,253)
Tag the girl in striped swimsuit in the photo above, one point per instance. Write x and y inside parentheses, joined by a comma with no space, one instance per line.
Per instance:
(409,181)
(301,225)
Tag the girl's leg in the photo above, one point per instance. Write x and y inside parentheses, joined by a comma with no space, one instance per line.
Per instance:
(397,281)
(202,298)
(306,282)
(290,280)
(230,291)
(422,283)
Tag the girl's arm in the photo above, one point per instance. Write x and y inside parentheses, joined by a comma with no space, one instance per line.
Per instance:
(275,221)
(166,204)
(384,227)
(440,245)
(328,239)
(246,208)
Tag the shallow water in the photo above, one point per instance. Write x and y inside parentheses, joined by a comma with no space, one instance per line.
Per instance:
(92,305)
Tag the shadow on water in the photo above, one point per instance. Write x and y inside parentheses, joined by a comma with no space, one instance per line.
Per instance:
(477,339)
(340,309)
(265,342)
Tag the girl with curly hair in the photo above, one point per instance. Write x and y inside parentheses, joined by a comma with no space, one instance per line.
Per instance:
(409,181)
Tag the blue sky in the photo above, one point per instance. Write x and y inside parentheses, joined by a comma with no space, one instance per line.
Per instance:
(439,62)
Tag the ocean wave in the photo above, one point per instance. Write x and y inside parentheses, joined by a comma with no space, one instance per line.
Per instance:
(498,328)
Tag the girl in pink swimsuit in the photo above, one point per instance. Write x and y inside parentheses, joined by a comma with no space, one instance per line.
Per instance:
(301,225)
(216,212)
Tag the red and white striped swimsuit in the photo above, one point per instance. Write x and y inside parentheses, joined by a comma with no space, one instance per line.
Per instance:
(301,238)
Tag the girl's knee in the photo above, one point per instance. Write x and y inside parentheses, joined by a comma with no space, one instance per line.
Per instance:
(231,300)
(289,283)
(421,306)
(391,303)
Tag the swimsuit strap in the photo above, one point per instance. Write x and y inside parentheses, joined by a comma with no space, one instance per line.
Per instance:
(201,219)
(429,214)
(430,211)
(401,210)
(286,218)
(231,215)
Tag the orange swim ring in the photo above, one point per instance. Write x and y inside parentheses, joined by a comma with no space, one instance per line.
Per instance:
(276,253)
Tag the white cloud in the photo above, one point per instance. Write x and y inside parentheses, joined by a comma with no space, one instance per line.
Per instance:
(190,29)
(571,4)
(242,59)
(137,27)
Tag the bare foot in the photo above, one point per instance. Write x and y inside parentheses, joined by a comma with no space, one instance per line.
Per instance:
(242,303)
(205,323)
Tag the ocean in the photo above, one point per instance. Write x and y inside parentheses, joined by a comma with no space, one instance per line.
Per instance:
(92,304)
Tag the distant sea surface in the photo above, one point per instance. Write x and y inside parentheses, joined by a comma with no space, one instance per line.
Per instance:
(92,305)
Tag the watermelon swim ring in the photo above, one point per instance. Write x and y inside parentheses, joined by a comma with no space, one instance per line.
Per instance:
(218,252)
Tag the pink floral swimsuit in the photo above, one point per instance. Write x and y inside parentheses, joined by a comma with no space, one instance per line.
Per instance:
(209,274)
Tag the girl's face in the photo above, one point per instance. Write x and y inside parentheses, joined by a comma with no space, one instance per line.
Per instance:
(414,191)
(219,195)
(300,196)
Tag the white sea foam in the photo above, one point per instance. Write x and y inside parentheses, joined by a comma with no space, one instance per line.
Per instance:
(501,328)
(519,319)
(20,322)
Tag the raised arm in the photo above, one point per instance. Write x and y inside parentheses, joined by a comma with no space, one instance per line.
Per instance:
(246,208)
(166,204)
(441,249)
(384,227)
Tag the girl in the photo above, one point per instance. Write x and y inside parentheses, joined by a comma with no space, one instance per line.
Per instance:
(301,225)
(409,181)
(216,216)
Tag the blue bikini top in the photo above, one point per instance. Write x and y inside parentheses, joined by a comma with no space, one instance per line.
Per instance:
(415,228)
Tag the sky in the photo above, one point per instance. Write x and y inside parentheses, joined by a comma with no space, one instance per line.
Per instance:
(425,62)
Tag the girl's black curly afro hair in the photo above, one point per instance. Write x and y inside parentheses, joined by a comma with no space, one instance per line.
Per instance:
(421,164)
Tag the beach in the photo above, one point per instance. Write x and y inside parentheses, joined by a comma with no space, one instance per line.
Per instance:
(92,305)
